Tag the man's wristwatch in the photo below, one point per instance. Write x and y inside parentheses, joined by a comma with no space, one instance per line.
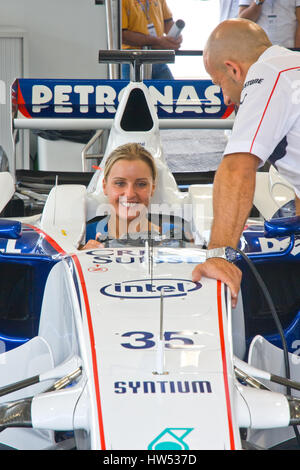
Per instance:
(226,252)
(259,2)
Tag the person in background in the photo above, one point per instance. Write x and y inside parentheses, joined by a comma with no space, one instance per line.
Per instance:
(279,18)
(146,23)
(228,9)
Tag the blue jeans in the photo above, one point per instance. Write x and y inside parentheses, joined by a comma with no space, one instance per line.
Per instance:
(159,72)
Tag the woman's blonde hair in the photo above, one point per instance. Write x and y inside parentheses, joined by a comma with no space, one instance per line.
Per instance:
(130,151)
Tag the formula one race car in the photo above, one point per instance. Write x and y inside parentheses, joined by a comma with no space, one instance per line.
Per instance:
(116,348)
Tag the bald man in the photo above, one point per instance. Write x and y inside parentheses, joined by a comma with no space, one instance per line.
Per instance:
(264,82)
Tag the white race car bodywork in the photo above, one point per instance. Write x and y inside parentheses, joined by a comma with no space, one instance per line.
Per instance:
(161,383)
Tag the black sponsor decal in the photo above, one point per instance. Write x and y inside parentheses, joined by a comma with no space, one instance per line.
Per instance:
(254,81)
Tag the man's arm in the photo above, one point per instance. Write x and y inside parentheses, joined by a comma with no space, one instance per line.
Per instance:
(251,12)
(297,34)
(132,38)
(233,194)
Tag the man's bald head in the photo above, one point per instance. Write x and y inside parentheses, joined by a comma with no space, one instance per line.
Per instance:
(238,40)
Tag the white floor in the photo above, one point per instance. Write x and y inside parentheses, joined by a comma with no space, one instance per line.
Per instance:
(193,150)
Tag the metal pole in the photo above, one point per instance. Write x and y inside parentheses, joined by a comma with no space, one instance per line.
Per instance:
(119,24)
(83,124)
(110,39)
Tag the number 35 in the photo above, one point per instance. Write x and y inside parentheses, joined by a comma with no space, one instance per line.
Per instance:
(143,339)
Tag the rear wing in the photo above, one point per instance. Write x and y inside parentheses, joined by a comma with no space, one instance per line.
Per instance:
(92,104)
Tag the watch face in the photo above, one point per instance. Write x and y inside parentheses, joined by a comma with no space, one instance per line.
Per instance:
(230,254)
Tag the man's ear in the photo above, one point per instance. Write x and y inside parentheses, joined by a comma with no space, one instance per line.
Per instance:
(234,70)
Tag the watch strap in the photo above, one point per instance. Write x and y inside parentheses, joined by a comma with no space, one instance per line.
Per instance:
(228,253)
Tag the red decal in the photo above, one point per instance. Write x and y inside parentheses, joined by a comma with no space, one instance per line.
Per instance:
(225,376)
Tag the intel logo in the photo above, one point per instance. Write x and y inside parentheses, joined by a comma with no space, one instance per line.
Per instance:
(150,288)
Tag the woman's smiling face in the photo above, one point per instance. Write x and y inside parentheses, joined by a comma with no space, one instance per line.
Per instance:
(129,186)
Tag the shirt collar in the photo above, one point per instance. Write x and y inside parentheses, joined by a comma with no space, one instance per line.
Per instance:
(270,52)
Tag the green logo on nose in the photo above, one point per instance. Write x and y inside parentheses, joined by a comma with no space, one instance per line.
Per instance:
(171,439)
